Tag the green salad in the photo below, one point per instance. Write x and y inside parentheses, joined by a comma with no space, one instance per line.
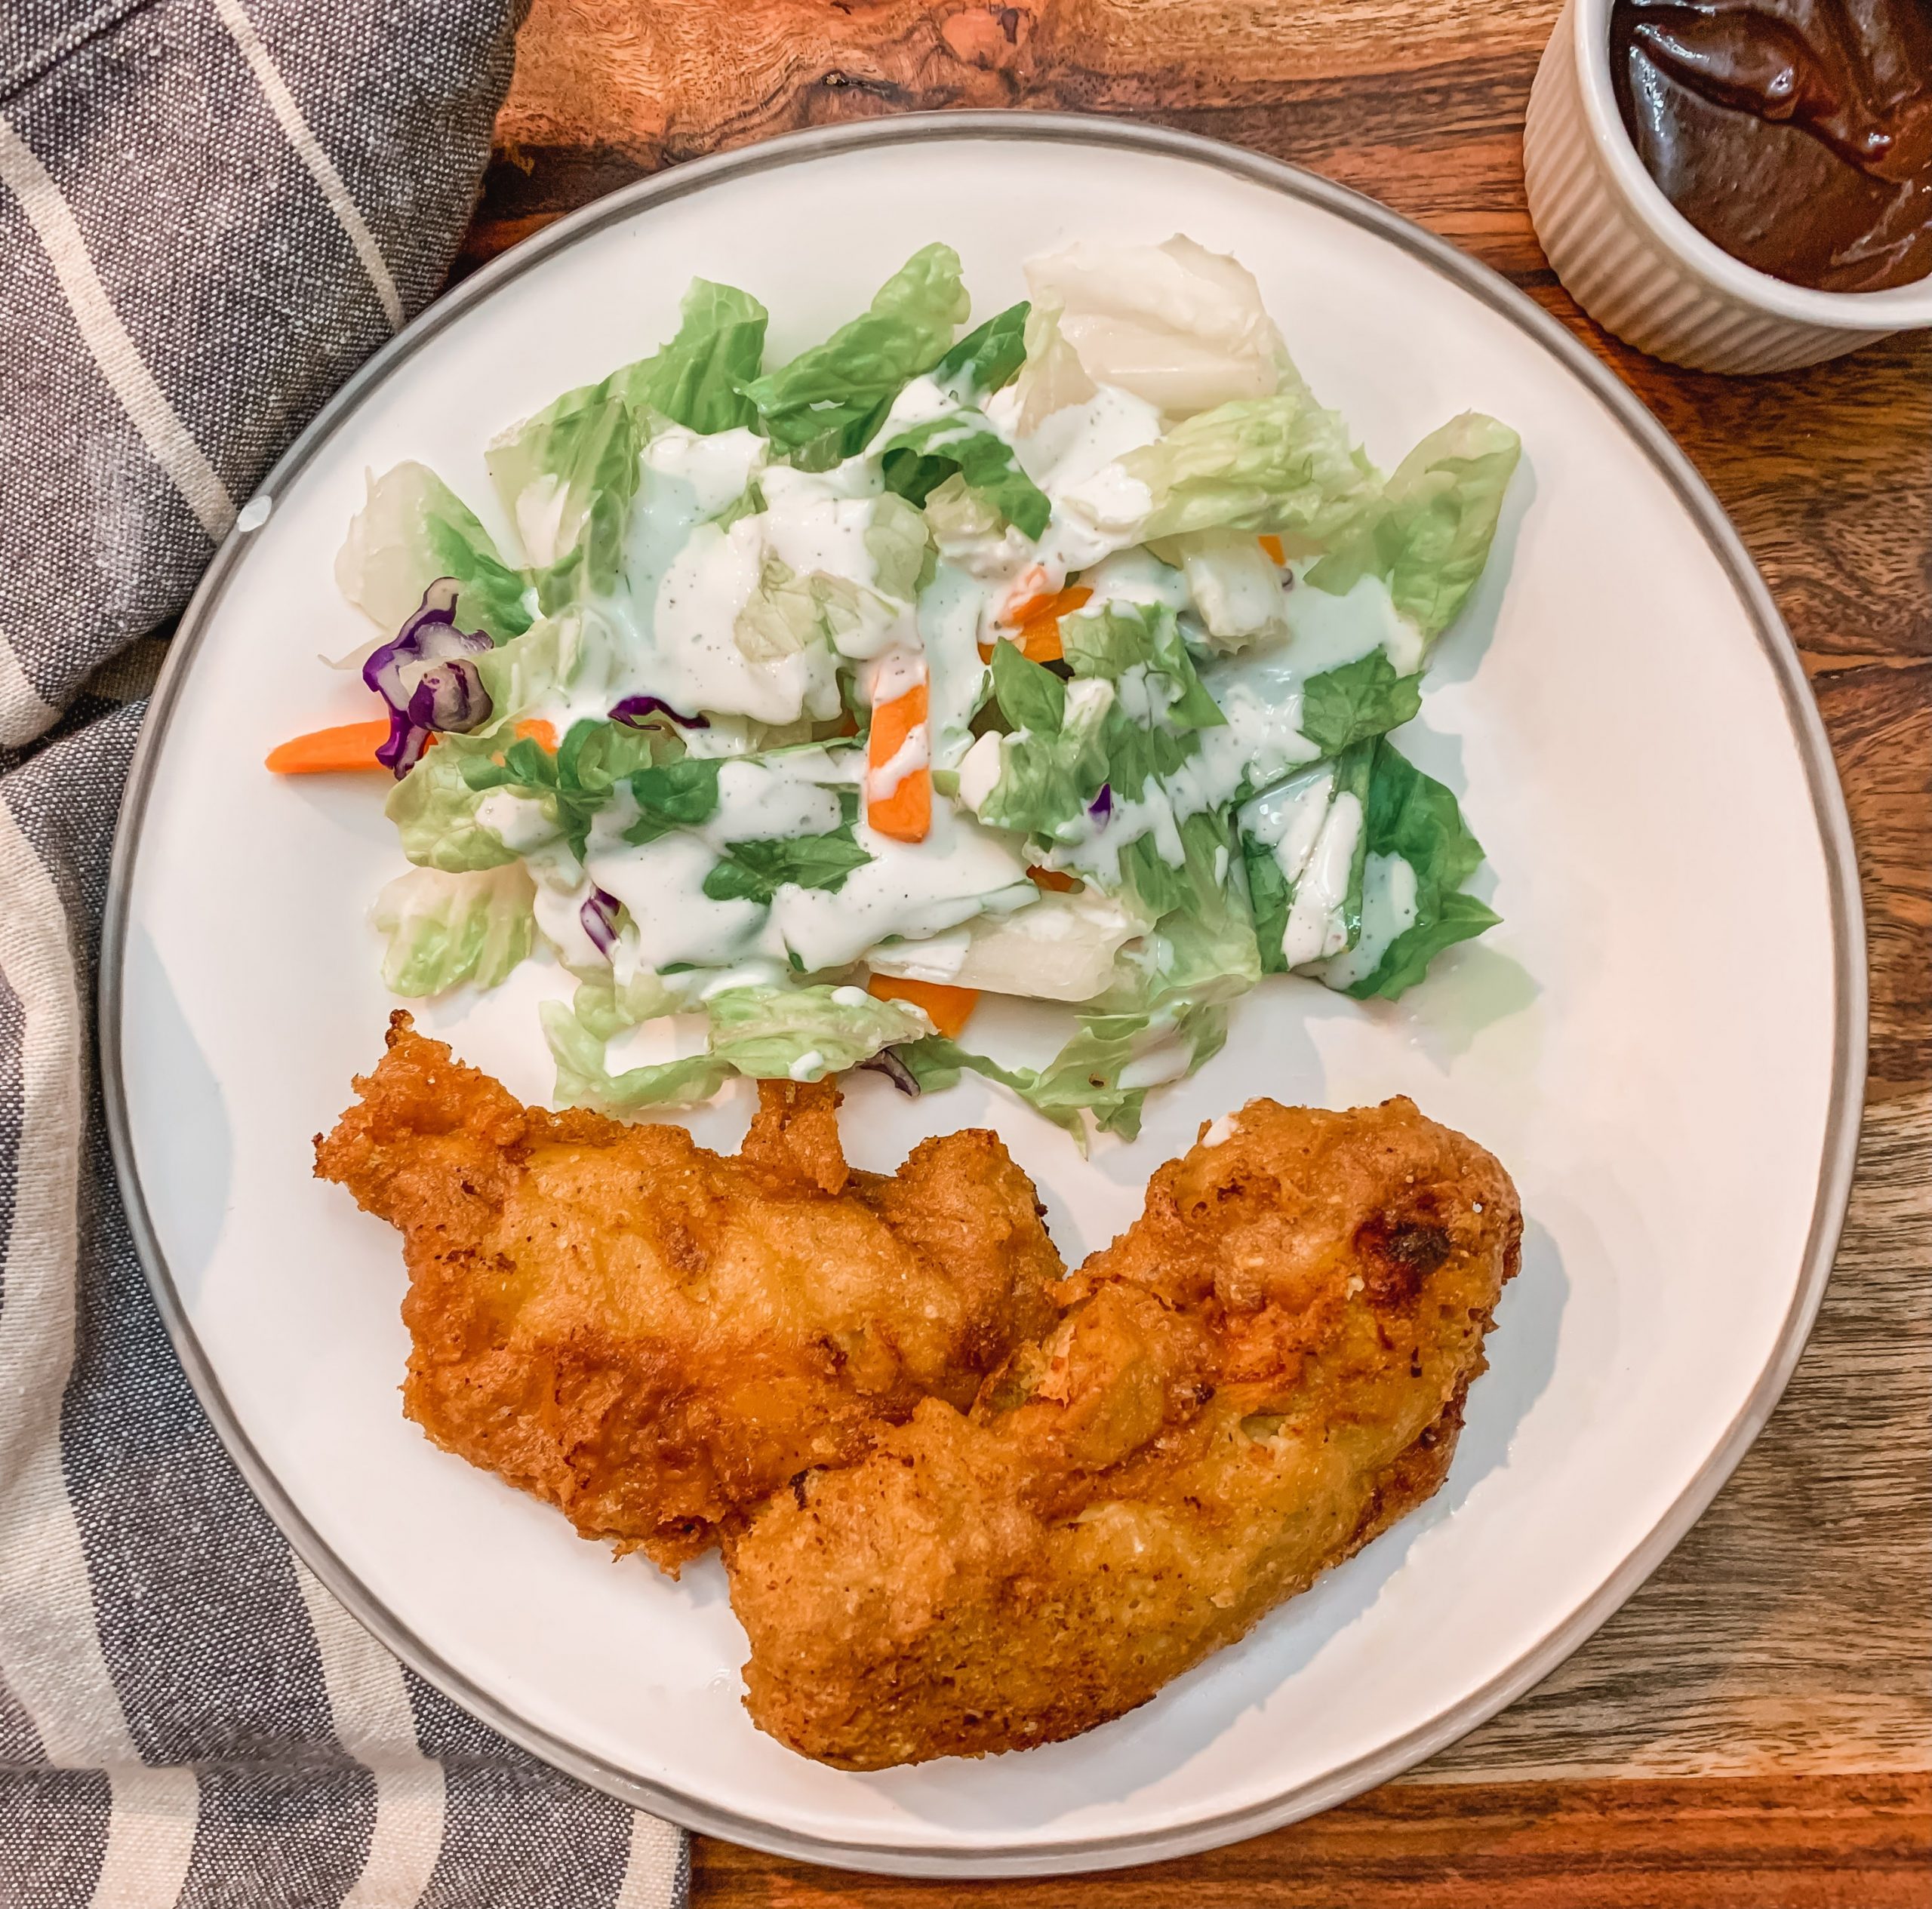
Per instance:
(1055,658)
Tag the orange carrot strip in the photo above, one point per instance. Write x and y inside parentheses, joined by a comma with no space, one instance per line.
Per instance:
(948,1009)
(905,812)
(1271,546)
(540,731)
(1052,878)
(1039,640)
(1051,607)
(325,751)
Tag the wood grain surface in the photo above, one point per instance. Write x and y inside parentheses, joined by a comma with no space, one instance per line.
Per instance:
(1753,1729)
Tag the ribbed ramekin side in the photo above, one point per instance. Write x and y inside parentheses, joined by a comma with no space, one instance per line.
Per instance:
(1612,263)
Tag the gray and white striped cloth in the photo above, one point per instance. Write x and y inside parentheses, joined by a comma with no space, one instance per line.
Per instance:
(210,212)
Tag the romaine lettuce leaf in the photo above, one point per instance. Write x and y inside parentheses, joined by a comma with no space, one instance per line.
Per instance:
(1280,464)
(567,478)
(1138,648)
(1202,944)
(584,1080)
(899,541)
(799,1033)
(695,379)
(524,671)
(825,405)
(1303,847)
(1237,587)
(411,531)
(987,359)
(1419,853)
(442,928)
(917,460)
(434,808)
(1361,699)
(1430,534)
(1052,763)
(1105,1070)
(604,1007)
(572,785)
(770,1033)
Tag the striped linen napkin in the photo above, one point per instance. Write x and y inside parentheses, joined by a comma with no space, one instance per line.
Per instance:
(210,212)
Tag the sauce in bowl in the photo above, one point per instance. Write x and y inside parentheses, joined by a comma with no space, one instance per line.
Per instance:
(1797,134)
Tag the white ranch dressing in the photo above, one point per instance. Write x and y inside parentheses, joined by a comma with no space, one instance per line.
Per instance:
(950,608)
(910,754)
(718,468)
(1289,818)
(1136,576)
(662,884)
(1260,689)
(909,890)
(1315,925)
(1388,910)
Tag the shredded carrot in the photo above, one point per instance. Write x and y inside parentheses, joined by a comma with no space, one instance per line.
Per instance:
(1051,607)
(325,751)
(1060,884)
(1271,546)
(948,1009)
(848,724)
(1039,641)
(541,732)
(1034,619)
(905,811)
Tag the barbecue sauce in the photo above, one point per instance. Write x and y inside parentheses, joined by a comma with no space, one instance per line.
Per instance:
(1797,134)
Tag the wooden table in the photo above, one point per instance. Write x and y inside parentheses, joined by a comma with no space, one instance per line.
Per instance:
(1755,1729)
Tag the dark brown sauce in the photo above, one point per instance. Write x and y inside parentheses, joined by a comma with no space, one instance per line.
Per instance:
(1795,133)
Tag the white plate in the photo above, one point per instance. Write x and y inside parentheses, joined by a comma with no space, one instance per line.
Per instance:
(1663,1041)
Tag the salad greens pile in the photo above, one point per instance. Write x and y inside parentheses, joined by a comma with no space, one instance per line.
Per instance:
(1058,660)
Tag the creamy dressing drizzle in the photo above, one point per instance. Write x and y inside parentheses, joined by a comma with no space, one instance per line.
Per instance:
(956,906)
(1388,910)
(1317,925)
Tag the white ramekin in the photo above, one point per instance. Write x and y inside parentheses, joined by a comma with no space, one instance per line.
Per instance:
(1637,266)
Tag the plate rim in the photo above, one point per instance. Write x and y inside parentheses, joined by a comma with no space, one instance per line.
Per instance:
(1838,1152)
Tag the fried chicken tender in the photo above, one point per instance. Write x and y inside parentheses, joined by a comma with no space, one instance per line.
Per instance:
(654,1337)
(1267,1369)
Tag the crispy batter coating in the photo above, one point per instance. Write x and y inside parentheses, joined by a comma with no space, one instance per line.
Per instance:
(1266,1371)
(653,1337)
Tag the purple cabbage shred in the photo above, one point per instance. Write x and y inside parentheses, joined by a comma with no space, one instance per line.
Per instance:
(599,917)
(427,677)
(637,710)
(1102,806)
(887,1062)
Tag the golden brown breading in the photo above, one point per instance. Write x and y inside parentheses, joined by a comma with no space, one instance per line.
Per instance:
(1264,1372)
(652,1337)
